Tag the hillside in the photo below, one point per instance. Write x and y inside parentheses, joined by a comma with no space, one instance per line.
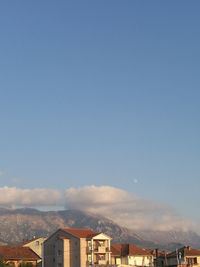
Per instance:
(23,224)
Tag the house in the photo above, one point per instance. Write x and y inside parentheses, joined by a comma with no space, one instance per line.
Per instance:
(18,255)
(129,254)
(77,247)
(185,256)
(36,245)
(116,254)
(160,257)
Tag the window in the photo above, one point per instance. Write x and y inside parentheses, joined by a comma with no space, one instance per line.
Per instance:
(89,258)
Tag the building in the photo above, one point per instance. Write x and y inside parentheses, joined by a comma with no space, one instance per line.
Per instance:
(129,254)
(116,254)
(185,256)
(75,247)
(36,245)
(18,255)
(160,257)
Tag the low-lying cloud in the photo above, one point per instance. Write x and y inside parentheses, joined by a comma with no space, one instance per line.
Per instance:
(18,197)
(126,209)
(119,205)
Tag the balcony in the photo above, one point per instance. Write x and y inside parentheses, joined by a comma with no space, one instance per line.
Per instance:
(100,250)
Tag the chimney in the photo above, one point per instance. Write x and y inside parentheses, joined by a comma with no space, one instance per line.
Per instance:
(156,259)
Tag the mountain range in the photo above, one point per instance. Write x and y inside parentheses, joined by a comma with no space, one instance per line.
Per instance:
(18,225)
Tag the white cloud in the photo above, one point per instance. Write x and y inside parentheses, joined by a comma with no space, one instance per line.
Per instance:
(12,196)
(119,205)
(126,209)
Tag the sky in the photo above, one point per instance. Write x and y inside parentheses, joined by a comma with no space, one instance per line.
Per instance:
(99,106)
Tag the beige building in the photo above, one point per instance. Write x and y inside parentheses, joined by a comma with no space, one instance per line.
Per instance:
(131,255)
(185,256)
(74,247)
(36,245)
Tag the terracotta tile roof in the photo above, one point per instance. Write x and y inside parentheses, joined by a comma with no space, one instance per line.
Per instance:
(17,253)
(116,249)
(192,252)
(134,250)
(80,232)
(185,251)
(128,249)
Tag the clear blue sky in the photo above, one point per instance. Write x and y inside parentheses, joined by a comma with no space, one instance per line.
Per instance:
(104,93)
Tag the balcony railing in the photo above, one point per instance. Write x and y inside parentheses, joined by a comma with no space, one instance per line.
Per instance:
(100,250)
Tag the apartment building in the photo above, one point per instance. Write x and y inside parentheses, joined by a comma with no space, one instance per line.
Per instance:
(75,247)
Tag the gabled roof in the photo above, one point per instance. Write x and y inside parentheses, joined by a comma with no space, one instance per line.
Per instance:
(17,253)
(128,250)
(101,236)
(26,242)
(80,232)
(185,251)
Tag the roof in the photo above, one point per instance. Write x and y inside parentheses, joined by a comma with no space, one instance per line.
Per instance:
(134,250)
(185,251)
(26,242)
(102,236)
(116,249)
(128,249)
(80,232)
(17,253)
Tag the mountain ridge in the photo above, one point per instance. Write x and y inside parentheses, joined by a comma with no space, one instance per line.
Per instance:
(17,225)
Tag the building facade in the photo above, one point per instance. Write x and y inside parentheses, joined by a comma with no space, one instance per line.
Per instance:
(36,245)
(131,255)
(75,247)
(184,257)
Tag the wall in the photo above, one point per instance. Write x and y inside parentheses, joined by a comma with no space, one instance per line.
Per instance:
(62,249)
(36,245)
(140,260)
